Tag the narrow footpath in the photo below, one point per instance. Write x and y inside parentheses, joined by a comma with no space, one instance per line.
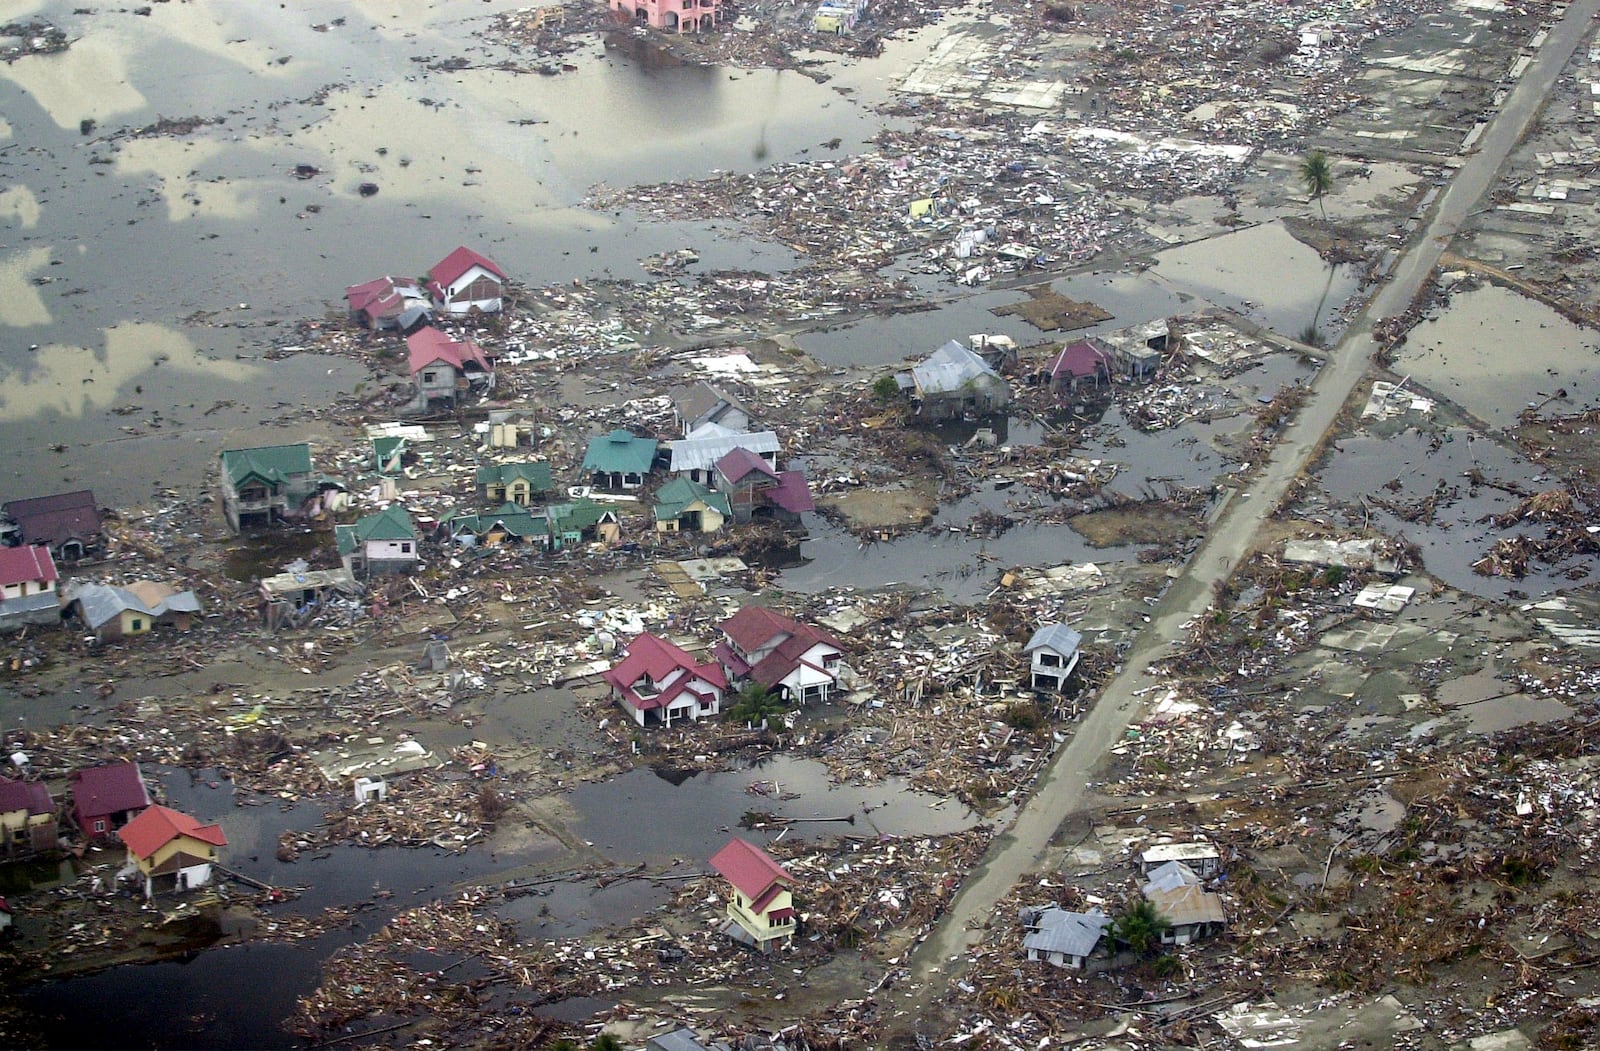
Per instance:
(1064,787)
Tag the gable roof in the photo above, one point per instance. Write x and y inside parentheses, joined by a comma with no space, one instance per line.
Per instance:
(27,563)
(674,498)
(101,602)
(32,796)
(952,368)
(383,296)
(739,464)
(1186,904)
(101,790)
(535,472)
(159,825)
(620,451)
(511,516)
(776,666)
(702,400)
(755,626)
(1072,933)
(52,519)
(792,493)
(270,463)
(749,868)
(392,523)
(578,515)
(656,657)
(1056,637)
(428,345)
(1081,359)
(447,270)
(706,446)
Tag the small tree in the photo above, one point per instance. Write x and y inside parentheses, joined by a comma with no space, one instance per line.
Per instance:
(1140,926)
(757,704)
(1316,172)
(885,388)
(606,1042)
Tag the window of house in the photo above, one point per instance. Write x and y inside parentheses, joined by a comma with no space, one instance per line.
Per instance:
(138,625)
(430,376)
(99,824)
(405,548)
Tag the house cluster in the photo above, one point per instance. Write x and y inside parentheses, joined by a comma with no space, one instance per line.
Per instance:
(67,527)
(1176,876)
(445,371)
(658,683)
(1134,353)
(111,804)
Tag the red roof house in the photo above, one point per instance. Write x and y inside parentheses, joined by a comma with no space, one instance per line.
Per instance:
(465,282)
(442,367)
(27,815)
(164,842)
(379,303)
(793,659)
(755,489)
(760,907)
(105,798)
(1083,360)
(659,684)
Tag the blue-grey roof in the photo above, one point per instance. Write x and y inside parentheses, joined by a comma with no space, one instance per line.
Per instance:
(952,368)
(30,603)
(701,453)
(1057,637)
(1169,877)
(1072,933)
(101,602)
(677,1040)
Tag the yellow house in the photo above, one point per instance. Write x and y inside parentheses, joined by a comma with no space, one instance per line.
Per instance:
(27,816)
(165,843)
(521,483)
(760,907)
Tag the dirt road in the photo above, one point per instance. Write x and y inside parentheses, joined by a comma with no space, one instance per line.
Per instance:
(1063,790)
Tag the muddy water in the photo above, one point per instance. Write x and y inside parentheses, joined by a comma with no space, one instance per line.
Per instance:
(1494,352)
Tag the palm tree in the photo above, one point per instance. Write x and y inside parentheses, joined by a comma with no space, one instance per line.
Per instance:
(1316,172)
(757,704)
(1140,925)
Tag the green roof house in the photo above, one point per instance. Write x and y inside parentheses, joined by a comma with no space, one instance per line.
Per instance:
(510,524)
(520,483)
(687,506)
(265,484)
(382,543)
(580,521)
(619,460)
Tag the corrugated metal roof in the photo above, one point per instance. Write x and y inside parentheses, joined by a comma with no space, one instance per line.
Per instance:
(702,452)
(951,368)
(1072,933)
(1057,637)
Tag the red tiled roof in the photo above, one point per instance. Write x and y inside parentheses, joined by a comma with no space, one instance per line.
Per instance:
(656,657)
(1080,359)
(739,463)
(428,345)
(158,826)
(379,297)
(32,796)
(101,790)
(52,519)
(754,626)
(459,262)
(26,563)
(751,871)
(786,658)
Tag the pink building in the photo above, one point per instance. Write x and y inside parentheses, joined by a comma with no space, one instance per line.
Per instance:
(675,16)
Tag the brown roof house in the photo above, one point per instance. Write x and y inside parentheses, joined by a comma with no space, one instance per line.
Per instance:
(789,658)
(104,798)
(67,523)
(28,587)
(1179,895)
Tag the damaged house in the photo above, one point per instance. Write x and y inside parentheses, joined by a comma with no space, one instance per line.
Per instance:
(1085,362)
(385,542)
(695,457)
(698,406)
(1061,938)
(299,594)
(27,816)
(122,612)
(758,492)
(582,522)
(28,587)
(105,798)
(658,684)
(465,282)
(511,523)
(685,506)
(164,843)
(266,484)
(1180,896)
(69,524)
(1052,655)
(388,303)
(446,371)
(955,382)
(791,659)
(760,903)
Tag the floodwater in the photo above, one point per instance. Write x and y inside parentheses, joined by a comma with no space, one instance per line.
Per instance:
(1495,352)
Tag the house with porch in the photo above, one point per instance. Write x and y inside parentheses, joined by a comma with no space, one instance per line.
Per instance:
(444,370)
(385,542)
(171,849)
(672,16)
(509,524)
(760,896)
(465,282)
(265,484)
(789,658)
(27,816)
(526,482)
(105,798)
(121,612)
(695,457)
(684,506)
(582,521)
(1180,896)
(1061,938)
(697,406)
(67,523)
(758,492)
(28,595)
(1052,654)
(954,382)
(1083,363)
(658,684)
(620,460)
(387,303)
